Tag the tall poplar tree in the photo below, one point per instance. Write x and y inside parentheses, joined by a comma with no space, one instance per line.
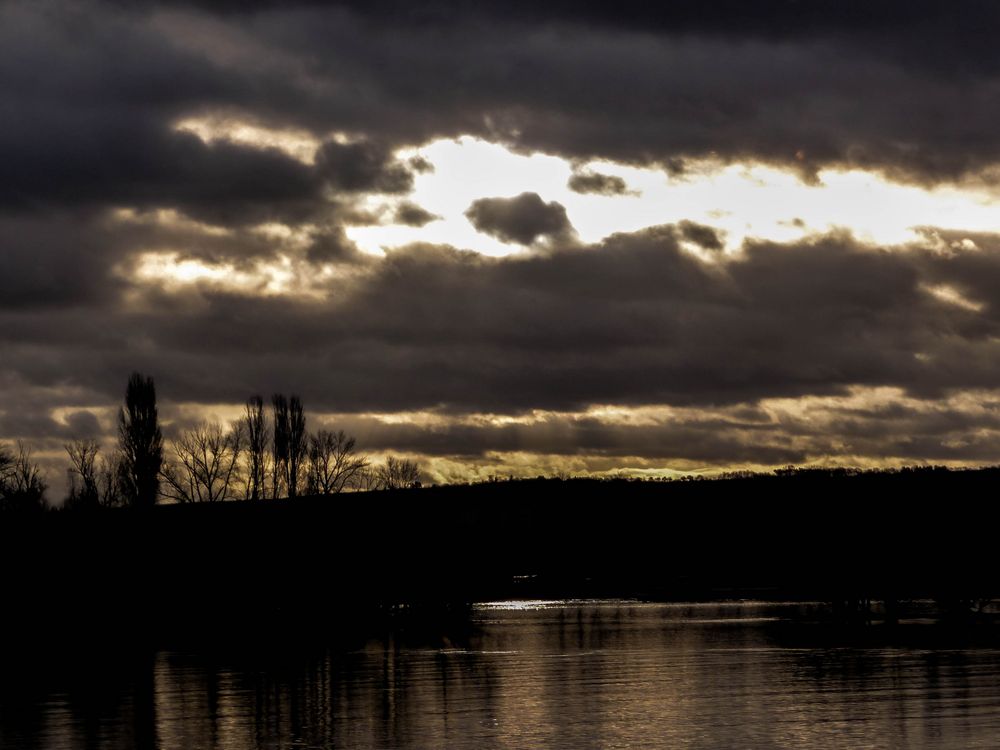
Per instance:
(141,443)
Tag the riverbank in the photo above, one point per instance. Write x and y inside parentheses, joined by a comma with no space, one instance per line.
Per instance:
(831,538)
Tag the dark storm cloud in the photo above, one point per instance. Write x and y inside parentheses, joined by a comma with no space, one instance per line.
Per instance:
(90,98)
(53,261)
(701,235)
(774,19)
(595,182)
(220,183)
(87,108)
(332,245)
(634,319)
(90,89)
(412,215)
(637,320)
(522,219)
(38,425)
(75,259)
(798,85)
(362,167)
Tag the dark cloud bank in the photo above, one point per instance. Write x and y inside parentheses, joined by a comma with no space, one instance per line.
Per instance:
(89,94)
(634,320)
(89,88)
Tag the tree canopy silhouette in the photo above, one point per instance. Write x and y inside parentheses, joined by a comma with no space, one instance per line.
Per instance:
(141,443)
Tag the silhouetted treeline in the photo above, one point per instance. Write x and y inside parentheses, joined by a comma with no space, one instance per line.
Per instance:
(257,456)
(263,454)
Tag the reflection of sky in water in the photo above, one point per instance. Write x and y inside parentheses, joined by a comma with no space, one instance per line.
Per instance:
(541,674)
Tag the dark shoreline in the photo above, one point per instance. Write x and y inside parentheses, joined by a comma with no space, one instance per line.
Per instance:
(812,536)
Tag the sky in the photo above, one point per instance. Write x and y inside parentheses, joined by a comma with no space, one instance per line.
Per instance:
(503,239)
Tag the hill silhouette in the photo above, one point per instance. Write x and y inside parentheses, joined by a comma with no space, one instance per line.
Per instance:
(310,562)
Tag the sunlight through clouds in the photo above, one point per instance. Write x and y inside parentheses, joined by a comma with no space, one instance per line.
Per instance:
(170,269)
(297,143)
(952,296)
(282,276)
(743,200)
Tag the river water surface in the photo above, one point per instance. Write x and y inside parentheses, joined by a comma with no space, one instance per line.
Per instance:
(570,675)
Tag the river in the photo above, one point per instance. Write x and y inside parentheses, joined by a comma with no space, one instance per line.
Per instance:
(547,675)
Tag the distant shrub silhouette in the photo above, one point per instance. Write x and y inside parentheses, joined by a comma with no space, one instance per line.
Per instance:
(140,442)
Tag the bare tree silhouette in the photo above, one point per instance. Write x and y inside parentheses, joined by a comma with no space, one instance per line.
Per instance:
(141,443)
(397,473)
(83,486)
(256,433)
(205,465)
(6,465)
(21,485)
(279,445)
(109,484)
(298,444)
(333,463)
(366,479)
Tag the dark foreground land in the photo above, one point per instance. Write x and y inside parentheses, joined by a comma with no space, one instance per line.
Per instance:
(238,568)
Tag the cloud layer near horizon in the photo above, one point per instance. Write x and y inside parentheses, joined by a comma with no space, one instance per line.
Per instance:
(634,321)
(107,194)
